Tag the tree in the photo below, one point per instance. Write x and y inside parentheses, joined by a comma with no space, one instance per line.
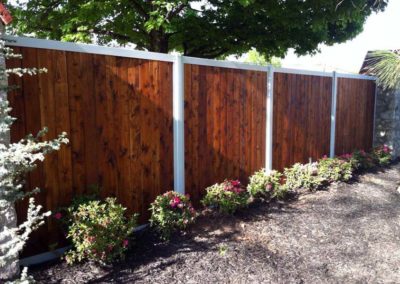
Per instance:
(208,28)
(16,160)
(386,66)
(253,56)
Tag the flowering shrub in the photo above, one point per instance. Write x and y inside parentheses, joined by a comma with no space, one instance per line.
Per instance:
(335,169)
(171,211)
(263,184)
(64,215)
(303,176)
(99,231)
(382,155)
(227,196)
(362,160)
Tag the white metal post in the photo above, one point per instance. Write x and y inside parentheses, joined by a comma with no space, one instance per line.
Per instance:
(178,115)
(269,120)
(333,114)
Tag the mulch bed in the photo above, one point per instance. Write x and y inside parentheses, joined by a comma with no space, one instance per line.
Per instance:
(347,234)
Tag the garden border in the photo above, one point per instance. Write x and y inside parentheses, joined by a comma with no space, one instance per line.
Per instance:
(178,89)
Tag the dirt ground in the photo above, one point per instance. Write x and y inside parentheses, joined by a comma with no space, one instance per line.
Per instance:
(347,234)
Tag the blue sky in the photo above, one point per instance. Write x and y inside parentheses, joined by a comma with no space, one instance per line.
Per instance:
(381,31)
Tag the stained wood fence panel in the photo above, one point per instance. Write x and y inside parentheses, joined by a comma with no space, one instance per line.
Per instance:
(118,116)
(301,128)
(117,112)
(354,115)
(224,125)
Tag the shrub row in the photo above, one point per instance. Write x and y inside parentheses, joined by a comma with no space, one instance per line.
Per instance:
(100,230)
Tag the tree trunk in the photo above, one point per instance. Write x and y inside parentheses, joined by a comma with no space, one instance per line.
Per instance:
(8,215)
(159,42)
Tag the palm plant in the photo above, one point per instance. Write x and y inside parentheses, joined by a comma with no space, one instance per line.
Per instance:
(385,65)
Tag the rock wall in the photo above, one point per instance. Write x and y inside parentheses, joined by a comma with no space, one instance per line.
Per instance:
(387,119)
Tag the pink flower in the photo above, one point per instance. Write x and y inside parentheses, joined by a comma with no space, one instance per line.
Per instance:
(346,156)
(235,183)
(58,215)
(386,148)
(175,202)
(268,186)
(125,243)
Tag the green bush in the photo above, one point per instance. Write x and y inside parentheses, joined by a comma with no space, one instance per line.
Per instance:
(335,169)
(362,160)
(64,215)
(263,184)
(382,155)
(227,197)
(303,176)
(170,212)
(281,192)
(99,231)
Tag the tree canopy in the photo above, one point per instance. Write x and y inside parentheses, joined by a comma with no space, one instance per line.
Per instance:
(254,57)
(207,28)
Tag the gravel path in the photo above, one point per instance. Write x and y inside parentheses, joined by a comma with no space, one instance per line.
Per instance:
(348,234)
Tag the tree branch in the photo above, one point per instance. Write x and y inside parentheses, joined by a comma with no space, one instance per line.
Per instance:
(142,11)
(175,12)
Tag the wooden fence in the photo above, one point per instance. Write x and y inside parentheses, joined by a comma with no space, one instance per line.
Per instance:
(137,120)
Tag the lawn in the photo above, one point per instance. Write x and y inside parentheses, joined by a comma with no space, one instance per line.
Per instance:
(348,233)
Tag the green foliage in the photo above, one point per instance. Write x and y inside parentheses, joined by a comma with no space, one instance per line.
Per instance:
(303,176)
(382,155)
(171,211)
(264,185)
(335,169)
(208,29)
(227,197)
(362,160)
(253,56)
(99,231)
(281,192)
(386,66)
(65,214)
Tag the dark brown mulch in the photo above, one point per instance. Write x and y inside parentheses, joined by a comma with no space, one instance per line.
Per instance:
(348,234)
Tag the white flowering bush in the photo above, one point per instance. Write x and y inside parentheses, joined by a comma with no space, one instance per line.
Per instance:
(263,184)
(303,176)
(16,160)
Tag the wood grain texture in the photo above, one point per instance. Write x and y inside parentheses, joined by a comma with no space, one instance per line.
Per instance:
(224,125)
(302,107)
(117,113)
(354,115)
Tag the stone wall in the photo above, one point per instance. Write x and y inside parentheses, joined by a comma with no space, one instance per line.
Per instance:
(387,119)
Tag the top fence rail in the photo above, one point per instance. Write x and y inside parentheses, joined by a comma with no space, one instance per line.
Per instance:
(132,53)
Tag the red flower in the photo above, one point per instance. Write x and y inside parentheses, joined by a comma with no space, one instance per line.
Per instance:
(235,183)
(58,215)
(125,243)
(175,202)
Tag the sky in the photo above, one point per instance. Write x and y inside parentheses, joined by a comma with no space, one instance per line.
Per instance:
(381,31)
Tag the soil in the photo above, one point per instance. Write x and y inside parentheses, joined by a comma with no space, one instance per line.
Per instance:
(349,233)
